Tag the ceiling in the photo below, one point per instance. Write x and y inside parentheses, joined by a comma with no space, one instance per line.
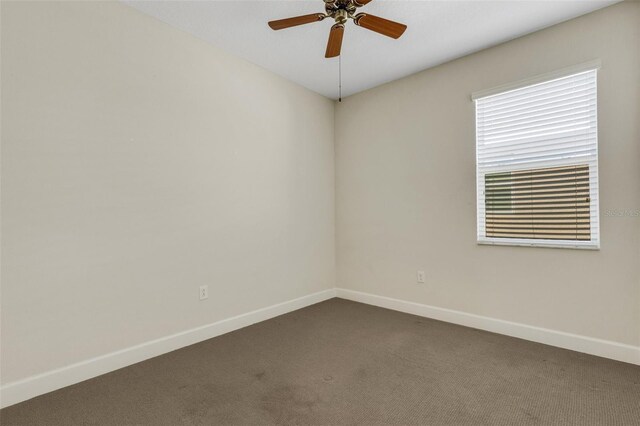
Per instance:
(438,31)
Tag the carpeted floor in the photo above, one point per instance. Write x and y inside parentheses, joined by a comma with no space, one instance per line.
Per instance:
(339,363)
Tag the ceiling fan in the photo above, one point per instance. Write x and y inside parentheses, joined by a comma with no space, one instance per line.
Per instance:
(341,11)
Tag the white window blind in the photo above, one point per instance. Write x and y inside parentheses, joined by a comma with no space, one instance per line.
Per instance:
(537,164)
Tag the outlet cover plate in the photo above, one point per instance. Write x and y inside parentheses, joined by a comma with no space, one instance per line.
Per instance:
(204,292)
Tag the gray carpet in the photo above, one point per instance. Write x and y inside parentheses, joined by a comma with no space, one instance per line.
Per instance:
(345,363)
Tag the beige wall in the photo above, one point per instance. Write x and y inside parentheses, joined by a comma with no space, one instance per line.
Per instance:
(405,194)
(139,163)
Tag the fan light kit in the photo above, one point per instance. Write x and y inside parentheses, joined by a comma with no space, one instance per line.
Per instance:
(341,11)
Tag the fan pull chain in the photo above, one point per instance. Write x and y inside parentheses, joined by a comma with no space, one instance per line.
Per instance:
(340,78)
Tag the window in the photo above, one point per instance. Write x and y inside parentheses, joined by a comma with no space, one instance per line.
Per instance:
(537,164)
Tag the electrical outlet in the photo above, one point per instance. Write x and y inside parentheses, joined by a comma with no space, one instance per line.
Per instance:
(204,292)
(421,277)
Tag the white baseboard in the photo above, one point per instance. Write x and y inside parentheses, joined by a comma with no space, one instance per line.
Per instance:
(575,342)
(30,387)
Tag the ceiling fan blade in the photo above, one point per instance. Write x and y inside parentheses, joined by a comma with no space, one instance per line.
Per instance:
(334,45)
(360,3)
(281,24)
(380,25)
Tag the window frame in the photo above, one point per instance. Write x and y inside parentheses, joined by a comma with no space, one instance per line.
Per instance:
(594,243)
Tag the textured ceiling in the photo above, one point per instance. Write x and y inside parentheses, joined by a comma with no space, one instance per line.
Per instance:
(438,31)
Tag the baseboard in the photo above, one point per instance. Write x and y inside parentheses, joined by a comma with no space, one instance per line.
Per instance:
(575,342)
(30,387)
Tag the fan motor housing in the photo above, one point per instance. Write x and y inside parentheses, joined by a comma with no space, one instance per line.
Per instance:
(340,10)
(341,16)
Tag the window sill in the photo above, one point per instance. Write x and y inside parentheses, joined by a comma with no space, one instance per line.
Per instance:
(542,243)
